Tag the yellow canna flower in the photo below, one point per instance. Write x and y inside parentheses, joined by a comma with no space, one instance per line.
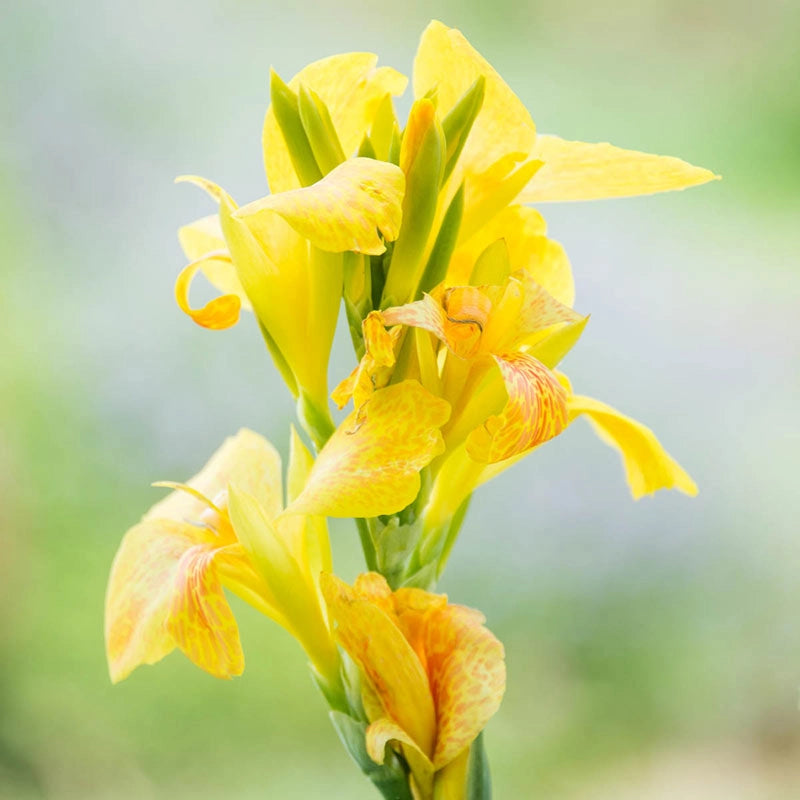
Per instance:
(433,675)
(223,529)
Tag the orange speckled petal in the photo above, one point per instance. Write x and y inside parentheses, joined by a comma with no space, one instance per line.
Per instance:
(377,340)
(535,412)
(352,87)
(467,673)
(371,464)
(139,593)
(648,466)
(345,210)
(220,312)
(200,620)
(427,314)
(378,646)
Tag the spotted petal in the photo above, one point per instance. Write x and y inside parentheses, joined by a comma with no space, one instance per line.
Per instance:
(588,171)
(535,412)
(648,466)
(371,464)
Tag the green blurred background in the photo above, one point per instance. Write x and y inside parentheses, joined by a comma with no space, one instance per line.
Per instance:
(653,647)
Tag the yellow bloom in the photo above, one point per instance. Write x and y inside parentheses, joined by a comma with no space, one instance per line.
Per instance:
(433,675)
(222,529)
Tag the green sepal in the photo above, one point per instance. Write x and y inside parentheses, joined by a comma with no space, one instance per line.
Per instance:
(394,544)
(553,348)
(439,259)
(459,120)
(382,131)
(422,578)
(479,779)
(357,296)
(394,146)
(321,134)
(287,115)
(316,421)
(493,265)
(391,777)
(423,180)
(366,149)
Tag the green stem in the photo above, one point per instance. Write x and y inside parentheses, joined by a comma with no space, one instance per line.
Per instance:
(367,545)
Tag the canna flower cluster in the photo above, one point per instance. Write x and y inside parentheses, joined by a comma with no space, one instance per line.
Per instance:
(460,311)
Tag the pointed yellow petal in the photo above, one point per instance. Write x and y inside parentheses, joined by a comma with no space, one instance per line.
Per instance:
(385,731)
(346,210)
(535,412)
(221,312)
(647,464)
(371,464)
(447,63)
(468,677)
(584,171)
(352,88)
(140,591)
(368,633)
(200,620)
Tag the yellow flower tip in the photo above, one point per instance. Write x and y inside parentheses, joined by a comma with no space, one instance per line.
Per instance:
(209,187)
(420,120)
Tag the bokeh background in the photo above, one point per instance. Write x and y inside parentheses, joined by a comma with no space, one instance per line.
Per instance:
(653,647)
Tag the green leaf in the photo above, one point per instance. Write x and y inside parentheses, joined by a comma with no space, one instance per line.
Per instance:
(479,780)
(285,106)
(459,120)
(391,777)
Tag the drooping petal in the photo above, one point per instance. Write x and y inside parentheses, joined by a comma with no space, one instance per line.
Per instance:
(448,64)
(346,210)
(352,88)
(220,312)
(199,620)
(648,466)
(535,412)
(467,674)
(384,731)
(374,641)
(371,464)
(589,171)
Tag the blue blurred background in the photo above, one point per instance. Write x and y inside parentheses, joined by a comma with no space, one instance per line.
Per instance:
(653,647)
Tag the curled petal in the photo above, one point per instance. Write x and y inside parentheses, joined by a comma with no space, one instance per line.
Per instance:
(535,412)
(648,466)
(371,464)
(221,312)
(346,210)
(588,171)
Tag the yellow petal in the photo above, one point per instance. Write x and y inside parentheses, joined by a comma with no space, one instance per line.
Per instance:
(385,731)
(221,312)
(140,592)
(467,673)
(449,65)
(246,449)
(367,632)
(584,171)
(346,210)
(523,231)
(371,464)
(200,620)
(203,237)
(352,88)
(535,412)
(647,464)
